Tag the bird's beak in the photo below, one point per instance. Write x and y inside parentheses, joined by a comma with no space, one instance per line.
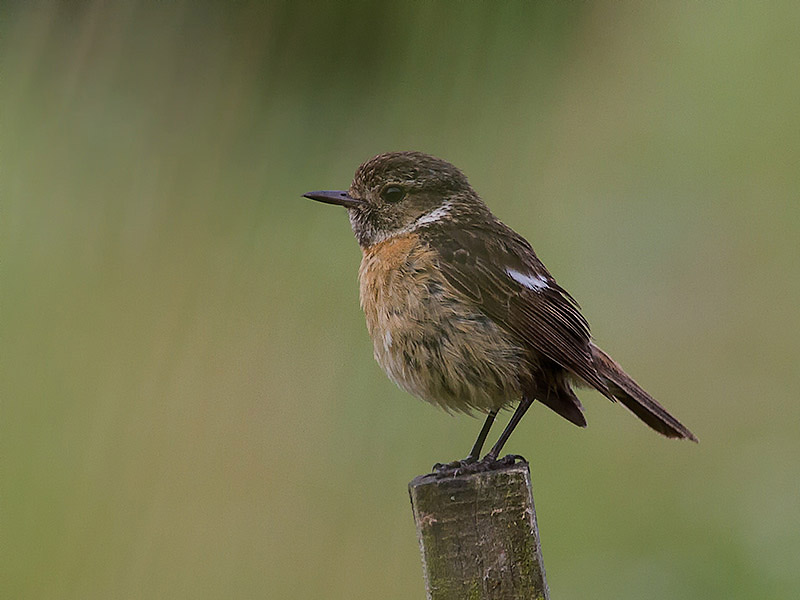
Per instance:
(334,197)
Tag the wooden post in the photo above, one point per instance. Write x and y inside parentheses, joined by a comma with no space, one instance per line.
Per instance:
(478,536)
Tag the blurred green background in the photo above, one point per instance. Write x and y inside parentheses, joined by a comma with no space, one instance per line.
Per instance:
(190,404)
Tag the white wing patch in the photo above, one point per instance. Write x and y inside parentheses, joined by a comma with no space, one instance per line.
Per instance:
(537,283)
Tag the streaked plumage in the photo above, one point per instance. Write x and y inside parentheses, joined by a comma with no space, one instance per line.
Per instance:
(461,311)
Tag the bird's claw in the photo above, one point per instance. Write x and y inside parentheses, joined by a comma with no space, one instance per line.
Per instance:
(469,466)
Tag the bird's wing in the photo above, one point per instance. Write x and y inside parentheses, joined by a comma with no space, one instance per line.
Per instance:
(498,270)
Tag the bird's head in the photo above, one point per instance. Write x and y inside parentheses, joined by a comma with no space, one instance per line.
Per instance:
(400,192)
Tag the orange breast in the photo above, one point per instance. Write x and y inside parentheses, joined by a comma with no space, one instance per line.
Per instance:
(428,338)
(390,270)
(390,254)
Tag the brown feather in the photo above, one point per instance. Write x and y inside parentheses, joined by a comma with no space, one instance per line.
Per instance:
(546,320)
(460,309)
(623,388)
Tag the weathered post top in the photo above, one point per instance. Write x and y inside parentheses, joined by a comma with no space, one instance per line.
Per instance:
(478,535)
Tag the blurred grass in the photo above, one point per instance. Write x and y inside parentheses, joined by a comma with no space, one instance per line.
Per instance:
(190,404)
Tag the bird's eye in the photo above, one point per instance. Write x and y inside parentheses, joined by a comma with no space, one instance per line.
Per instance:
(393,193)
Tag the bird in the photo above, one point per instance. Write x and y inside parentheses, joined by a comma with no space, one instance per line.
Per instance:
(461,311)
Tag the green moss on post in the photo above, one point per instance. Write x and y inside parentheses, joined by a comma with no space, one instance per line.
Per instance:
(478,536)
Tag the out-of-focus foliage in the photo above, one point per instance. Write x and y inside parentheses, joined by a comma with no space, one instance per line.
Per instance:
(190,406)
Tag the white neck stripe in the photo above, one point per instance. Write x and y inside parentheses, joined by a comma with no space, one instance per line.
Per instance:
(435,215)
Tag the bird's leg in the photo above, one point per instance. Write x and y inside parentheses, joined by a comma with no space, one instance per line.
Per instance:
(475,453)
(524,405)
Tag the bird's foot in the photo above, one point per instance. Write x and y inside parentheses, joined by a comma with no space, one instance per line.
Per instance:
(469,465)
(455,467)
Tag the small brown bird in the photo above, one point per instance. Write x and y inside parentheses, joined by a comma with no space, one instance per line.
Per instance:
(460,310)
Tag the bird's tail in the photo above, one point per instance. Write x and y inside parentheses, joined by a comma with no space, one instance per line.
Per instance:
(621,387)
